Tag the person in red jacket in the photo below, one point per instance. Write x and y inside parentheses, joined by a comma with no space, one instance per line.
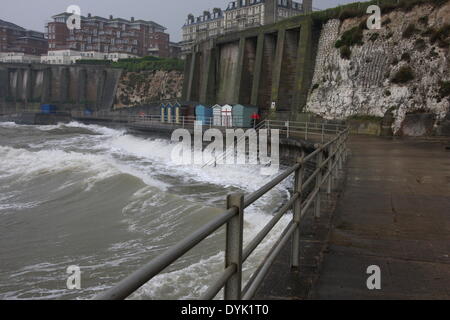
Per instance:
(255,117)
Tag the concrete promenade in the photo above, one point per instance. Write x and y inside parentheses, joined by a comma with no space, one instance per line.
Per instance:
(393,212)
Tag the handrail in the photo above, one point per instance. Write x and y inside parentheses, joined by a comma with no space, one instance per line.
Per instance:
(230,279)
(130,284)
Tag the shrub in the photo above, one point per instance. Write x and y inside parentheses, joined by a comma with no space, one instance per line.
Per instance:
(403,75)
(406,57)
(346,52)
(350,38)
(419,45)
(315,86)
(441,36)
(149,64)
(423,20)
(94,62)
(386,22)
(444,90)
(409,31)
(394,61)
(374,37)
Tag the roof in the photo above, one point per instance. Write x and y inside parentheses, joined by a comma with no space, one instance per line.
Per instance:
(11,25)
(66,14)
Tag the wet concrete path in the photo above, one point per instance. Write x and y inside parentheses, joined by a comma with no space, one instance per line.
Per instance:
(393,212)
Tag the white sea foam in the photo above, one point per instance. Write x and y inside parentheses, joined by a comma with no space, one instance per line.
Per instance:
(119,153)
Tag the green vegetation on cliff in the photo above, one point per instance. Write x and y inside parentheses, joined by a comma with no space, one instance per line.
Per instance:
(150,64)
(404,75)
(359,9)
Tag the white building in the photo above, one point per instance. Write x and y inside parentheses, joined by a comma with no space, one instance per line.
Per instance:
(18,57)
(72,56)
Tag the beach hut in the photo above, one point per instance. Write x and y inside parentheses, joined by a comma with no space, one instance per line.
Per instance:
(217,115)
(243,115)
(227,115)
(163,112)
(170,112)
(177,112)
(203,114)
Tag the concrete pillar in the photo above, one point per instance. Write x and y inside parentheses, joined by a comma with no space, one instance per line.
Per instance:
(82,83)
(270,11)
(187,72)
(47,86)
(207,86)
(304,62)
(101,81)
(238,75)
(28,84)
(20,85)
(64,79)
(276,75)
(4,88)
(190,80)
(258,67)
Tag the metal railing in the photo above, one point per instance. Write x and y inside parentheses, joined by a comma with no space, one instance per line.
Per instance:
(329,159)
(158,120)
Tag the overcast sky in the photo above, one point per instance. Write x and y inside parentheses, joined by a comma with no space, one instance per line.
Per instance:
(35,14)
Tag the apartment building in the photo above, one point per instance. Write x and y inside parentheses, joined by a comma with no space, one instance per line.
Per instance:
(20,45)
(239,15)
(105,38)
(200,28)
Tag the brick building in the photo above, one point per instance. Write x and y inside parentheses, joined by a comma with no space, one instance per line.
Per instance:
(20,45)
(103,38)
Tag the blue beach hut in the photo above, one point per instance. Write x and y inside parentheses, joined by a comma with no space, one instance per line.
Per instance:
(203,114)
(242,115)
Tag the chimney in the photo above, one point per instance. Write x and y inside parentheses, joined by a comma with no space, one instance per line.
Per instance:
(132,19)
(89,15)
(111,17)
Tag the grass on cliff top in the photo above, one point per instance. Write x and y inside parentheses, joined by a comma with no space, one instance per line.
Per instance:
(141,64)
(359,9)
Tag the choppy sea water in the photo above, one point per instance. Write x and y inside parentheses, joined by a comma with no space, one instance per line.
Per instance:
(108,202)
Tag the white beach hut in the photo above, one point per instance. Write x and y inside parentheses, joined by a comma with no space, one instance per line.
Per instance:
(227,116)
(217,115)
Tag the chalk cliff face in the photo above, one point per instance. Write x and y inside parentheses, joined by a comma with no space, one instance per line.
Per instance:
(148,87)
(363,84)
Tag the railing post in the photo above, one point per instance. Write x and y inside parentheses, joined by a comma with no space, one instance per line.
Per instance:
(306,131)
(318,183)
(340,154)
(336,160)
(323,133)
(295,263)
(234,243)
(288,129)
(330,173)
